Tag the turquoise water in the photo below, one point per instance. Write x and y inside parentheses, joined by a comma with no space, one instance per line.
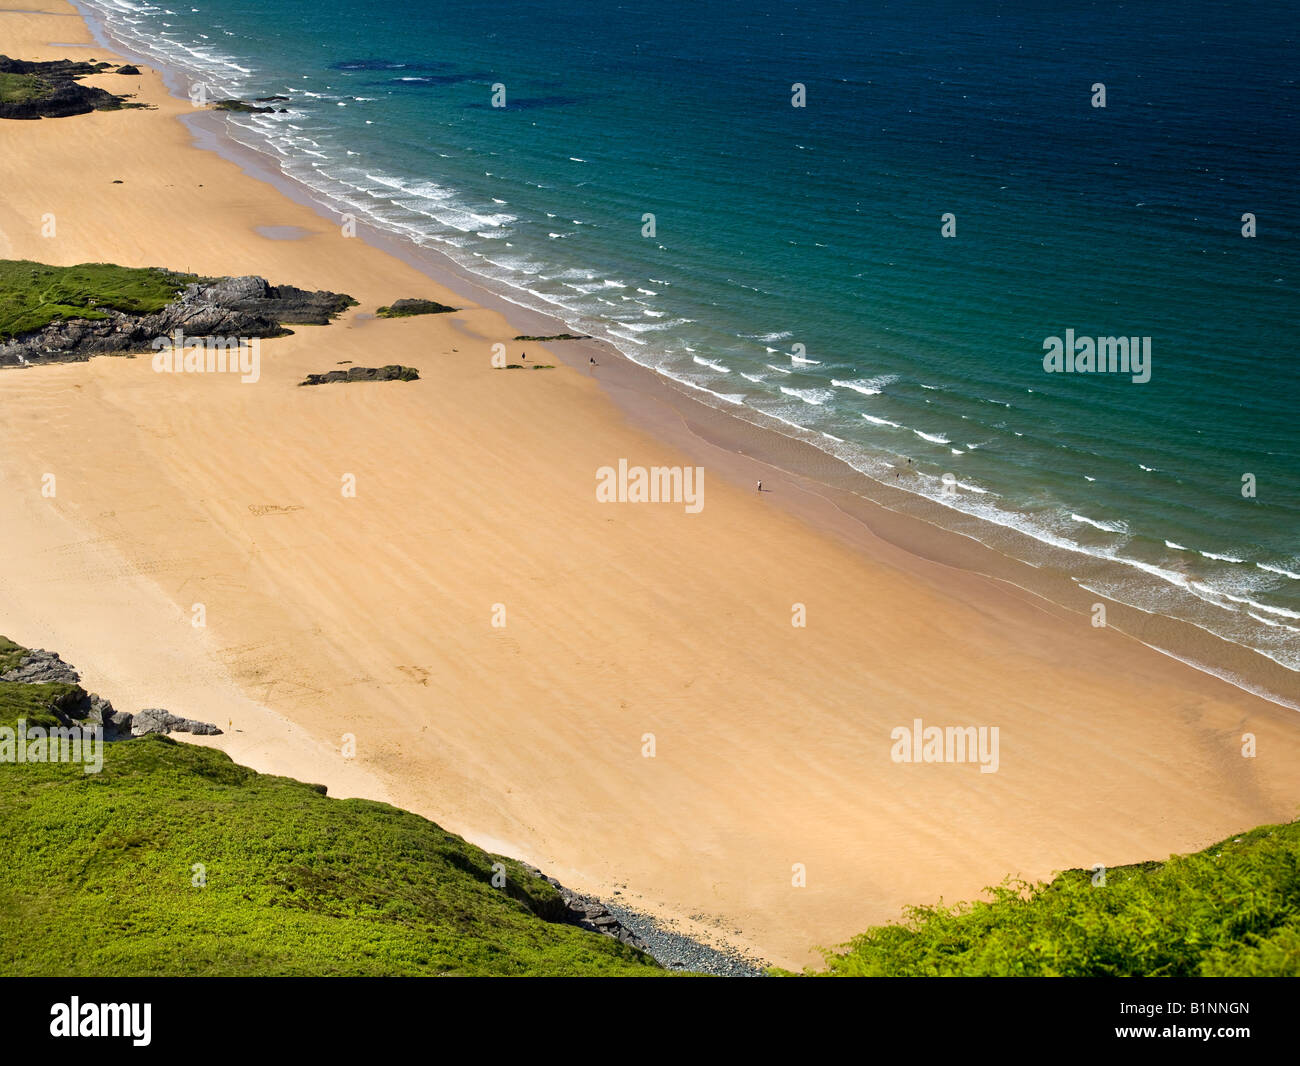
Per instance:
(819,226)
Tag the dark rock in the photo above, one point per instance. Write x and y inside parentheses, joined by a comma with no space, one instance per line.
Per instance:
(157,720)
(39,666)
(241,106)
(364,373)
(406,308)
(98,711)
(128,69)
(588,913)
(283,303)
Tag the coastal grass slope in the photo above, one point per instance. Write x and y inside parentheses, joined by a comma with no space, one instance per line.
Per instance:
(174,860)
(32,295)
(1232,910)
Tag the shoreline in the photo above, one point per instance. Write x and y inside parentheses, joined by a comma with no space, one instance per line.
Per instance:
(823,524)
(827,489)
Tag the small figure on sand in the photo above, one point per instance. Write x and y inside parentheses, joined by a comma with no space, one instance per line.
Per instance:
(523,356)
(592,360)
(760,486)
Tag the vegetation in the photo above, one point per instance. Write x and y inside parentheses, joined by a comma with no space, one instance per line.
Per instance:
(23,88)
(1230,910)
(32,295)
(174,860)
(11,654)
(407,308)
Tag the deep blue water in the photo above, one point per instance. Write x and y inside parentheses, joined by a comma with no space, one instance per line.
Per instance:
(820,226)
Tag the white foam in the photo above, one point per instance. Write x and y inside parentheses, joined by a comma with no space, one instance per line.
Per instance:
(726,397)
(933,438)
(1274,625)
(816,397)
(1278,570)
(1108,527)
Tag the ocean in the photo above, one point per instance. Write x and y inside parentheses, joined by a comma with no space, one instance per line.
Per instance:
(797,273)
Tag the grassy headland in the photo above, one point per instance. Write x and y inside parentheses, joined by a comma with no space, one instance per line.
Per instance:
(32,295)
(174,860)
(1232,910)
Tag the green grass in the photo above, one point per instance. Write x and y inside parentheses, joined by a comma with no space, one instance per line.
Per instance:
(34,703)
(1230,910)
(32,295)
(22,88)
(11,654)
(98,873)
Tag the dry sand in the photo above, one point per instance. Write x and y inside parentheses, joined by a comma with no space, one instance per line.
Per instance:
(372,616)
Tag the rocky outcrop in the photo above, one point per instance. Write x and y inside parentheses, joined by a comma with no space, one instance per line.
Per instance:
(39,667)
(224,307)
(128,68)
(52,90)
(406,308)
(365,373)
(76,706)
(95,710)
(589,913)
(157,720)
(242,106)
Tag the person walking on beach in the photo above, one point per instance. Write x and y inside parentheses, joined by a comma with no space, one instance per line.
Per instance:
(760,486)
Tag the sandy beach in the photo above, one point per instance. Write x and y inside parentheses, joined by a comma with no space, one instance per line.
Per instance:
(371,616)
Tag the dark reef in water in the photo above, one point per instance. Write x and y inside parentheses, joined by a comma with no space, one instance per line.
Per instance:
(244,106)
